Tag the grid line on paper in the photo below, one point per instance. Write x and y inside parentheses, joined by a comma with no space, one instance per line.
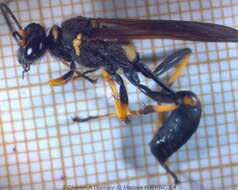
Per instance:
(47,132)
(34,116)
(233,97)
(62,176)
(57,122)
(5,164)
(207,51)
(14,142)
(212,89)
(223,99)
(227,133)
(104,151)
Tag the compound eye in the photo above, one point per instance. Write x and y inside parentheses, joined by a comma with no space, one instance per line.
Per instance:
(34,49)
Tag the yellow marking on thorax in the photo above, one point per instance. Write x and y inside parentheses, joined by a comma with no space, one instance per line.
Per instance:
(55,33)
(130,51)
(77,44)
(94,24)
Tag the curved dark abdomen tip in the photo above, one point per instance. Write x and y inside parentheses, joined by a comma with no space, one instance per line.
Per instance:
(175,131)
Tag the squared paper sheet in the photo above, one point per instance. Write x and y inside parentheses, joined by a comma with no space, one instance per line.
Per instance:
(40,147)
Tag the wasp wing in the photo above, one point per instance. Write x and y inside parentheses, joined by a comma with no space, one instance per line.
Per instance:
(128,29)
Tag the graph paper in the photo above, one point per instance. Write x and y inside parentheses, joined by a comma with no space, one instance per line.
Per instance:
(40,146)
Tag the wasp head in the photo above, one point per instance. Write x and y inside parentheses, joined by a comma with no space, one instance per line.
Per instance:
(31,39)
(32,45)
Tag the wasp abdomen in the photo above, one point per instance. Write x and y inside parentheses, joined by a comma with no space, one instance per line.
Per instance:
(176,130)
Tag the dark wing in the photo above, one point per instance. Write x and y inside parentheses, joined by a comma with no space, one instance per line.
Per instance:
(128,29)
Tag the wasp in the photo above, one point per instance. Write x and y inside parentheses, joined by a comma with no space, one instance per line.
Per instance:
(105,44)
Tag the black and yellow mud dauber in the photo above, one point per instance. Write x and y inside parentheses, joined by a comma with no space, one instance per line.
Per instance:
(99,43)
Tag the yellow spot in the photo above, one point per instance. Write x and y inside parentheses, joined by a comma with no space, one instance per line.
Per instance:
(79,36)
(22,41)
(189,101)
(76,45)
(130,51)
(55,33)
(179,69)
(94,23)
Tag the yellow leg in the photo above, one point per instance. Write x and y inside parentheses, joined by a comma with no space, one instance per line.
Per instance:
(120,108)
(179,69)
(160,120)
(148,109)
(153,108)
(62,80)
(161,116)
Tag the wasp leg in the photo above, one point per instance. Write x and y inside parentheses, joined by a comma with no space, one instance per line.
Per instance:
(167,169)
(62,80)
(146,110)
(160,120)
(121,97)
(172,60)
(153,108)
(83,75)
(158,96)
(145,70)
(65,78)
(79,74)
(178,59)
